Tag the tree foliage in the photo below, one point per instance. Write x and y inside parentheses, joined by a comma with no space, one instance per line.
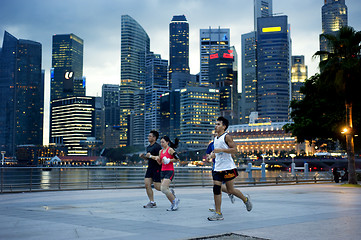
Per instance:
(321,114)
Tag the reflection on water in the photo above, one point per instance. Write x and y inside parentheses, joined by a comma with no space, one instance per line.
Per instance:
(25,179)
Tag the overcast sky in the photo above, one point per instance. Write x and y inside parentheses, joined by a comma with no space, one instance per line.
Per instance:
(97,22)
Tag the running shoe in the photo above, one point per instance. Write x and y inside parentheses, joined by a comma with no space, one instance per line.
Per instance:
(212,210)
(231,197)
(150,205)
(216,217)
(248,203)
(175,204)
(171,207)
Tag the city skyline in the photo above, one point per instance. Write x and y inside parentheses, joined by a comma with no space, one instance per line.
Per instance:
(102,34)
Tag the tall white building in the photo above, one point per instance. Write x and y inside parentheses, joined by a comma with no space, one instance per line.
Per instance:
(211,41)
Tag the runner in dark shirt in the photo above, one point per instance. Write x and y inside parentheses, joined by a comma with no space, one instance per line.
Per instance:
(152,176)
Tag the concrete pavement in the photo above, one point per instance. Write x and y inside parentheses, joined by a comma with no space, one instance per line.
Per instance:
(312,211)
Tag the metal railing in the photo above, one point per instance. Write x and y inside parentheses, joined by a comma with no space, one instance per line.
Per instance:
(25,179)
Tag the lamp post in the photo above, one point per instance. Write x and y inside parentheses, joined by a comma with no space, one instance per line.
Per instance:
(350,149)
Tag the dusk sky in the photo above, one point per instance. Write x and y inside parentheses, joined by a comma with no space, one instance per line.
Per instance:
(98,24)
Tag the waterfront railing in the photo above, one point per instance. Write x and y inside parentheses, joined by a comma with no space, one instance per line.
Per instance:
(28,179)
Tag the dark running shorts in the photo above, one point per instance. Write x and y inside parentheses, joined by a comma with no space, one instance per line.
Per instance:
(167,175)
(153,173)
(226,175)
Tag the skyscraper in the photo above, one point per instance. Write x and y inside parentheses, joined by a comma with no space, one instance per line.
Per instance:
(111,111)
(73,121)
(21,93)
(262,8)
(134,49)
(199,108)
(249,76)
(298,76)
(211,41)
(178,46)
(67,67)
(156,85)
(334,16)
(273,68)
(223,77)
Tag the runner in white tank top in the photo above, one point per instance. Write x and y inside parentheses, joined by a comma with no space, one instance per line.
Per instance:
(225,170)
(224,161)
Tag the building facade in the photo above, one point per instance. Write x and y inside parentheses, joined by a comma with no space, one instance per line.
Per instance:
(67,67)
(21,94)
(211,41)
(178,47)
(170,114)
(262,8)
(111,118)
(298,76)
(222,75)
(134,49)
(273,68)
(73,121)
(199,108)
(156,85)
(334,16)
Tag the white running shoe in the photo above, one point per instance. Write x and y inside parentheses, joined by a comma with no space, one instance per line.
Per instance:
(150,205)
(216,217)
(175,204)
(248,203)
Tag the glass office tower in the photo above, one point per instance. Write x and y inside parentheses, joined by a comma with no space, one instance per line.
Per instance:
(273,68)
(334,16)
(134,49)
(67,67)
(211,41)
(178,46)
(21,94)
(298,76)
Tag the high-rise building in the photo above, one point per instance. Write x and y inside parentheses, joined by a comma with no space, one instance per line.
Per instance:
(334,16)
(67,67)
(170,114)
(73,121)
(273,68)
(155,86)
(298,76)
(262,8)
(178,47)
(199,107)
(211,41)
(111,111)
(134,49)
(222,75)
(21,94)
(249,76)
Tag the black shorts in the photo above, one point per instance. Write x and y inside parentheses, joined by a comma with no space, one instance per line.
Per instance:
(153,173)
(167,175)
(226,175)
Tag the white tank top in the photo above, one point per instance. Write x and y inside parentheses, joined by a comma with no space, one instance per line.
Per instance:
(224,161)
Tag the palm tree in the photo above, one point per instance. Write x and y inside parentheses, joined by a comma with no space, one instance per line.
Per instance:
(341,68)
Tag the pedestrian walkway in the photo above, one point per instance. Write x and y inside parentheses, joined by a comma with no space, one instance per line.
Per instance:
(312,211)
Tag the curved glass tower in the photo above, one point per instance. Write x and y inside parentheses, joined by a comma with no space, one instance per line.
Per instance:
(334,16)
(134,49)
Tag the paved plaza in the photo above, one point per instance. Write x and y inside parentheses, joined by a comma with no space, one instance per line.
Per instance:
(309,211)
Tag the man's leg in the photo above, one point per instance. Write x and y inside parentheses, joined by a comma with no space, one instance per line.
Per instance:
(156,185)
(217,194)
(148,187)
(234,191)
